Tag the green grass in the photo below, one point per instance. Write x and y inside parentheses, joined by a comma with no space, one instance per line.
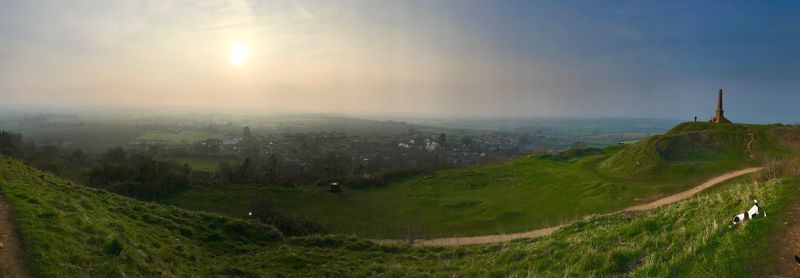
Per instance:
(74,231)
(510,197)
(209,164)
(71,231)
(231,200)
(728,184)
(518,195)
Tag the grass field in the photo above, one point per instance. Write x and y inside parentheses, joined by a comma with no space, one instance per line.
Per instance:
(519,195)
(74,231)
(232,200)
(511,197)
(516,196)
(93,138)
(175,138)
(209,164)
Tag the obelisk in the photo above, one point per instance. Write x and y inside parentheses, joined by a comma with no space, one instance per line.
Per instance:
(719,118)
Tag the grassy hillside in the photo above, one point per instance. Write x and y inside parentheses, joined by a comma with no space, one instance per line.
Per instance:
(515,196)
(70,230)
(697,148)
(523,194)
(73,231)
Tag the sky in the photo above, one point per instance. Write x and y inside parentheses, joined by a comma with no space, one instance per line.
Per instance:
(494,58)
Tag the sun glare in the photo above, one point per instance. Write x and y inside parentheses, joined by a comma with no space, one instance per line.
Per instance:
(239,54)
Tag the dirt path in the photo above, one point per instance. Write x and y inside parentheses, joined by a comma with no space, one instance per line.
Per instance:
(788,246)
(689,193)
(12,258)
(456,241)
(751,138)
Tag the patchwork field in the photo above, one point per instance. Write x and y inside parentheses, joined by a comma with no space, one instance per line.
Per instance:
(91,138)
(175,138)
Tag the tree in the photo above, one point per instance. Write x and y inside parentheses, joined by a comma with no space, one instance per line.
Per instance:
(10,143)
(441,154)
(225,170)
(77,156)
(116,154)
(272,169)
(246,170)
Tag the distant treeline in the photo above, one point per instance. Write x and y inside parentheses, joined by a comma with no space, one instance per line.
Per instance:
(331,167)
(117,171)
(142,176)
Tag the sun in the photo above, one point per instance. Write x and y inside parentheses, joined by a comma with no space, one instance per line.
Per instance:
(239,54)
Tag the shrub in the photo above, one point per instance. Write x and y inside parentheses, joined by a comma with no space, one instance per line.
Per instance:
(774,168)
(113,247)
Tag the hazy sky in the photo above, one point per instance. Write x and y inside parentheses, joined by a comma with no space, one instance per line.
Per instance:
(436,57)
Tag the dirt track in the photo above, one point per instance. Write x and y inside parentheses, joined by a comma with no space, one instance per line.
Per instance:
(12,258)
(788,245)
(456,241)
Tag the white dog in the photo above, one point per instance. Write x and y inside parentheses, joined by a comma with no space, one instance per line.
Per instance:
(755,211)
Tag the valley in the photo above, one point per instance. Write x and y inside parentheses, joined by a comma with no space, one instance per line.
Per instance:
(523,194)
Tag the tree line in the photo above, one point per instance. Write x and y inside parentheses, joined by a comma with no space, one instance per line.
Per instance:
(323,169)
(117,171)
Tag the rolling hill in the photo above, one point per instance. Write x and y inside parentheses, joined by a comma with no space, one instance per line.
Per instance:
(73,231)
(699,147)
(522,194)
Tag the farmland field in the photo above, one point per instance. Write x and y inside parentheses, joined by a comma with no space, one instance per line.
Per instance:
(93,138)
(209,164)
(175,138)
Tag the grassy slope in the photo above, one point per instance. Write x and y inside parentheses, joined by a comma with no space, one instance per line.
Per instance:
(695,148)
(73,231)
(70,230)
(518,195)
(508,197)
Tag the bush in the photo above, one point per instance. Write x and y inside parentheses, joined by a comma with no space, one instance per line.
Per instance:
(140,177)
(774,168)
(10,143)
(113,247)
